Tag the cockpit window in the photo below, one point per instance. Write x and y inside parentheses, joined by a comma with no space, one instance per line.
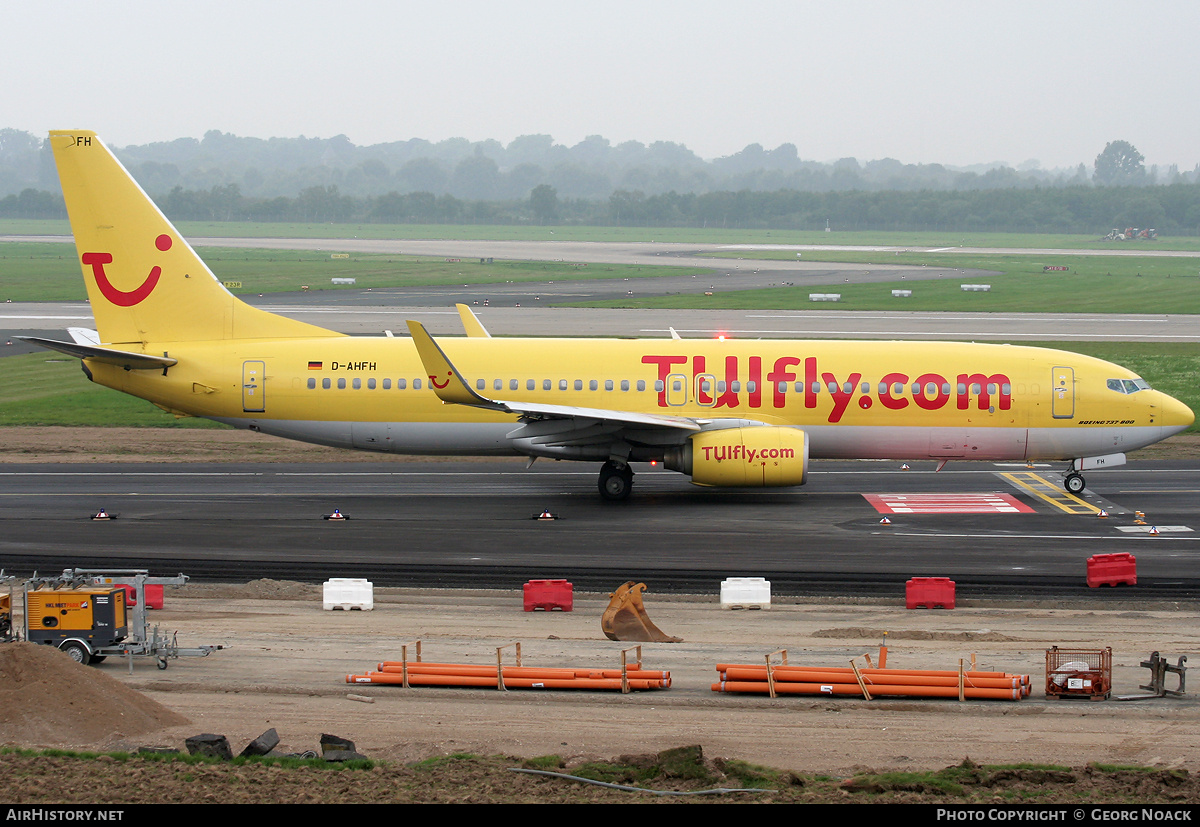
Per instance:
(1128,385)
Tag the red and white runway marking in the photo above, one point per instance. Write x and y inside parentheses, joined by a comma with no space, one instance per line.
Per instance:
(979,503)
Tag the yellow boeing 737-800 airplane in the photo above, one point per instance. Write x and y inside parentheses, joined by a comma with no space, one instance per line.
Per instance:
(726,413)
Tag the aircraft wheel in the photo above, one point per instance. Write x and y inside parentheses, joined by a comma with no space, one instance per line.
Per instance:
(616,481)
(1074,483)
(77,652)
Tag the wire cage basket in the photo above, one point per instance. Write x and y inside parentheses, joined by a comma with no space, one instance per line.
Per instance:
(1079,673)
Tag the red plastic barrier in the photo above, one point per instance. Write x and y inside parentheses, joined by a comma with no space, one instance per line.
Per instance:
(929,593)
(548,595)
(1112,570)
(153,595)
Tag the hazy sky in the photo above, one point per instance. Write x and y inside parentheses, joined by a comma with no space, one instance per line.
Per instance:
(950,82)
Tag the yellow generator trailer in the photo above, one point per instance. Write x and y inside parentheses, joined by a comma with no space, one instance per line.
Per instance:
(6,627)
(79,621)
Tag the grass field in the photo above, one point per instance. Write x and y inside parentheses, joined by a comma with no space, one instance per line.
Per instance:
(1015,291)
(711,235)
(48,389)
(47,271)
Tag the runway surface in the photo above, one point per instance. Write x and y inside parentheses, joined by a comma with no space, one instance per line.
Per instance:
(443,524)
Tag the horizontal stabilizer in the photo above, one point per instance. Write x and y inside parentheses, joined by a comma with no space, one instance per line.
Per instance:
(120,358)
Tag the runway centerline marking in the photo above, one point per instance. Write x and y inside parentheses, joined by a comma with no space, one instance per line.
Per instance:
(987,502)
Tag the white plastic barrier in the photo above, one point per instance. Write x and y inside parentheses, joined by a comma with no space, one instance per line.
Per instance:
(347,593)
(745,593)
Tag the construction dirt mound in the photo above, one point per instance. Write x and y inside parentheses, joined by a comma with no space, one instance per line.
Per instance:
(47,698)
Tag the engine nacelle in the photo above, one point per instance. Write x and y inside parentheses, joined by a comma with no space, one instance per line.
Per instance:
(755,457)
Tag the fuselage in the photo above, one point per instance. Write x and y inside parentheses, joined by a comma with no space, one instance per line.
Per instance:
(901,400)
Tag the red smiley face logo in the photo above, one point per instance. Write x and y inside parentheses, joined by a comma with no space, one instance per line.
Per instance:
(121,298)
(440,386)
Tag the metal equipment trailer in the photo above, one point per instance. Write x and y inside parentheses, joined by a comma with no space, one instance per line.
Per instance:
(85,613)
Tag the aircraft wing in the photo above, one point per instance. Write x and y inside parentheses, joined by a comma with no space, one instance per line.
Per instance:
(121,358)
(452,389)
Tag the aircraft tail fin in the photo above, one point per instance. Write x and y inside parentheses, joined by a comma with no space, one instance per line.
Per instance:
(145,282)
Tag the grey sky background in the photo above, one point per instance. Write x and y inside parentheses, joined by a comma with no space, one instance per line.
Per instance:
(923,81)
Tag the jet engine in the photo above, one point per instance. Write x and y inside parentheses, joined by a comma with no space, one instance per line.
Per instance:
(756,457)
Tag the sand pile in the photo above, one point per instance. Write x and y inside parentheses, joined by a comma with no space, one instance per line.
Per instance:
(48,699)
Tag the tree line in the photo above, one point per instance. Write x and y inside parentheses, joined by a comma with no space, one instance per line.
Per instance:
(593,169)
(661,185)
(1172,209)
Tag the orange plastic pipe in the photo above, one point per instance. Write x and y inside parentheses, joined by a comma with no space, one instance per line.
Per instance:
(517,671)
(874,679)
(852,689)
(777,670)
(511,683)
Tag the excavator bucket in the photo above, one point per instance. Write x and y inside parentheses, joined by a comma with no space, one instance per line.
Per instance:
(626,618)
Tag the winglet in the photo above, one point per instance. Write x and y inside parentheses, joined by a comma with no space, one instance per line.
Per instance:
(471,323)
(444,378)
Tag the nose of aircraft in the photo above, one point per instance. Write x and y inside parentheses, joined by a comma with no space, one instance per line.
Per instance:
(1174,416)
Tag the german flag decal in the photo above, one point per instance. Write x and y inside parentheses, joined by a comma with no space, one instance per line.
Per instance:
(315,365)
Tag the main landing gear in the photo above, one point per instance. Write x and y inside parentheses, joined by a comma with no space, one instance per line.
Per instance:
(1074,482)
(616,481)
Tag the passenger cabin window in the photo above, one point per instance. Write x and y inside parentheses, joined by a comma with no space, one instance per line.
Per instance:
(312,383)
